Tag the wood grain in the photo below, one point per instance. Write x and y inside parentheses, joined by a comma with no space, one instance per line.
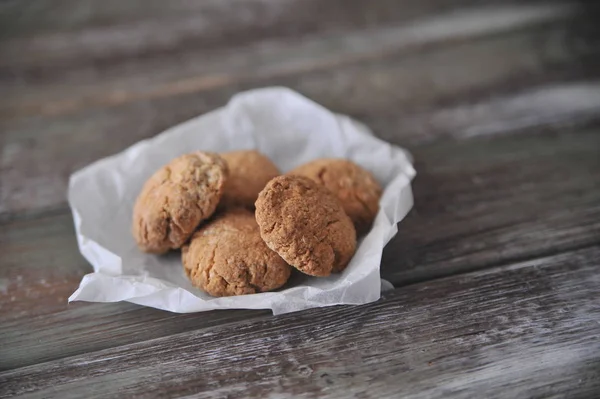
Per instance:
(523,330)
(83,327)
(499,101)
(42,38)
(153,25)
(478,203)
(40,269)
(466,78)
(491,200)
(136,78)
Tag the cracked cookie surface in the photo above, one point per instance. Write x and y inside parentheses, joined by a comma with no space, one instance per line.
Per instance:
(227,257)
(305,224)
(249,172)
(176,199)
(356,189)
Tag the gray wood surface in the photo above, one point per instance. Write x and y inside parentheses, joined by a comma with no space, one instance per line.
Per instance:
(524,330)
(490,68)
(499,101)
(473,210)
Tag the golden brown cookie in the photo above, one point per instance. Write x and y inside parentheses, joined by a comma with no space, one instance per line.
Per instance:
(227,257)
(249,172)
(305,224)
(176,199)
(356,189)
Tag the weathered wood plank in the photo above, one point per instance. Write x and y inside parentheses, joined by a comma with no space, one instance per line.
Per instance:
(489,81)
(519,331)
(32,18)
(135,79)
(40,267)
(496,199)
(478,203)
(489,84)
(46,34)
(83,327)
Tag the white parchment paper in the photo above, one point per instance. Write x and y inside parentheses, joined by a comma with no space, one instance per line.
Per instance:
(288,128)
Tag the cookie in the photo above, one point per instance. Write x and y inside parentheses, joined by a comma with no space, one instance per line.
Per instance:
(227,257)
(356,189)
(176,199)
(305,224)
(249,172)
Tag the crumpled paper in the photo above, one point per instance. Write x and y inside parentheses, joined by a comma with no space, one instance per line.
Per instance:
(288,128)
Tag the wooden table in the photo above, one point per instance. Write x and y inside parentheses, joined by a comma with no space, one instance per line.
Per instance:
(496,270)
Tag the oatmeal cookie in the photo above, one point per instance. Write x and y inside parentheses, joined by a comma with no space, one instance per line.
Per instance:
(227,257)
(356,189)
(305,224)
(249,172)
(176,199)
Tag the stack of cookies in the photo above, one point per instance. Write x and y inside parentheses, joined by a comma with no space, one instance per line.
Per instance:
(241,225)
